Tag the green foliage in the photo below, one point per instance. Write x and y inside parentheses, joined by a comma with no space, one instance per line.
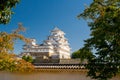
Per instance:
(28,58)
(76,54)
(6,10)
(104,22)
(82,54)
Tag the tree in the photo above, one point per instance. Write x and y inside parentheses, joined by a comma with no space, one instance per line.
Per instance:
(6,10)
(7,40)
(27,58)
(82,54)
(104,20)
(23,66)
(8,61)
(76,54)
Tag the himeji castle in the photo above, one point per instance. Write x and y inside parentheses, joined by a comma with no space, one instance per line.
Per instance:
(56,46)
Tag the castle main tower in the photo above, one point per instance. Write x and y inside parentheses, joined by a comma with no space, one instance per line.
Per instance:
(56,46)
(60,44)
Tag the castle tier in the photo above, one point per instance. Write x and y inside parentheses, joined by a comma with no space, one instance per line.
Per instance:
(55,47)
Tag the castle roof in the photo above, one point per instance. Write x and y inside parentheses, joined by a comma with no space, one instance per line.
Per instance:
(56,30)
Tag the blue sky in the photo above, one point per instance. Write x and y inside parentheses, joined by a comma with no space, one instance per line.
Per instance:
(40,16)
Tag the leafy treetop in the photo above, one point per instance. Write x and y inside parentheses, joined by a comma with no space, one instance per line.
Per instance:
(103,17)
(6,10)
(82,54)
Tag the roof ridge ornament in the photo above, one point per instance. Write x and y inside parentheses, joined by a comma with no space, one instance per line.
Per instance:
(56,28)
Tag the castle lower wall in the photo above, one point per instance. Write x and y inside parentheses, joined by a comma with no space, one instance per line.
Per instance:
(60,61)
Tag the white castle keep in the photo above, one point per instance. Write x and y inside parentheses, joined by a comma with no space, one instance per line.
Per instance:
(55,47)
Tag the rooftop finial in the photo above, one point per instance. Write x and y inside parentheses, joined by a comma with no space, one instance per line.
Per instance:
(56,28)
